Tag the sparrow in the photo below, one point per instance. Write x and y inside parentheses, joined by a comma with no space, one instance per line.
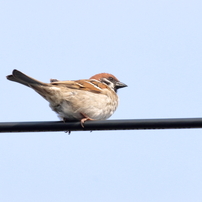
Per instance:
(82,100)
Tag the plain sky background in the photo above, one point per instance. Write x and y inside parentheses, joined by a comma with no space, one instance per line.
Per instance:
(155,47)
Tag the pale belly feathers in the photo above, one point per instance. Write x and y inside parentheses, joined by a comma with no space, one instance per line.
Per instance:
(72,105)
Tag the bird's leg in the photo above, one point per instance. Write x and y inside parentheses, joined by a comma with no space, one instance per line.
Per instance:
(86,118)
(66,120)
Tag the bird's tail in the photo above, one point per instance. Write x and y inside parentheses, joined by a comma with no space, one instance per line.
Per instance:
(19,77)
(44,89)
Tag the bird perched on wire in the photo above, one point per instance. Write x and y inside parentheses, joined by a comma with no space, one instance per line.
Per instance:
(86,99)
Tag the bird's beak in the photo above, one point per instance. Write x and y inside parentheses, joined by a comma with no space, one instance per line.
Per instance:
(120,85)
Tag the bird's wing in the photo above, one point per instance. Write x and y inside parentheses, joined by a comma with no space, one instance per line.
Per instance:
(91,85)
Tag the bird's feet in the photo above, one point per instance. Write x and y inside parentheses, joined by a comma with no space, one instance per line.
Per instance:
(85,118)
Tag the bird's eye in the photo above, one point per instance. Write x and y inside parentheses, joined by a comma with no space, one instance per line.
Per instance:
(111,79)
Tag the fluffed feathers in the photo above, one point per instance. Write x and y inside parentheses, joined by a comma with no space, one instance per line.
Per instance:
(85,99)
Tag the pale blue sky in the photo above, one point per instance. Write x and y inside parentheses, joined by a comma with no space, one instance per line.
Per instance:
(153,46)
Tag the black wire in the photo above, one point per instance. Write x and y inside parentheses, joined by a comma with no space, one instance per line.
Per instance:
(130,124)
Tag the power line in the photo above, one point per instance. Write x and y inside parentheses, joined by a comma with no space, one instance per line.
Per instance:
(128,124)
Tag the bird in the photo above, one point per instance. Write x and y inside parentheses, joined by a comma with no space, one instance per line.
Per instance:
(77,100)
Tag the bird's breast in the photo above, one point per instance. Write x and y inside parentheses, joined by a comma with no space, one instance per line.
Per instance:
(96,106)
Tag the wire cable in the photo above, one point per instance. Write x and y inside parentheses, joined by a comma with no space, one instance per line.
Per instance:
(127,124)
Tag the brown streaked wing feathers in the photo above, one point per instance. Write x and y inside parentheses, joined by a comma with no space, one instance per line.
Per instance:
(87,85)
